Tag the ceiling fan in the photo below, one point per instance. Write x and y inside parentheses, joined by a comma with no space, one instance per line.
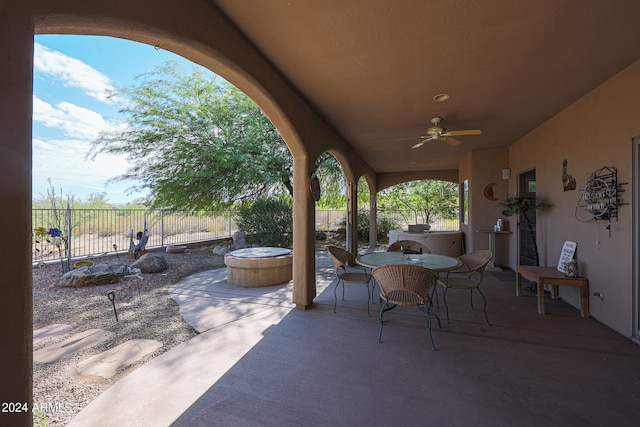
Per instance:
(437,132)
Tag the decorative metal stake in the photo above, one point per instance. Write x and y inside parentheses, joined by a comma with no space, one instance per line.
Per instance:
(115,248)
(112,297)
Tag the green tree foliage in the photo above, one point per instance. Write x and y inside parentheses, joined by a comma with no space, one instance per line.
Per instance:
(424,199)
(268,222)
(95,201)
(334,184)
(196,142)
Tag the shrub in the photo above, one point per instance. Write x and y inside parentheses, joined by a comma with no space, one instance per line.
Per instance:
(268,222)
(384,224)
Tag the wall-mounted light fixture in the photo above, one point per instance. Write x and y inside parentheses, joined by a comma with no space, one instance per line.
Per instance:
(506,173)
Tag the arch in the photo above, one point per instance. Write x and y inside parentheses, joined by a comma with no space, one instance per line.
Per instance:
(201,33)
(194,29)
(223,50)
(345,165)
(386,180)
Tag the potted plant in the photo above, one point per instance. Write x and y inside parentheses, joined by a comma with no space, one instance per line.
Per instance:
(522,204)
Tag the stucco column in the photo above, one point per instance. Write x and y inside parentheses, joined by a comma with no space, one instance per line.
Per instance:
(16,326)
(304,236)
(373,220)
(352,217)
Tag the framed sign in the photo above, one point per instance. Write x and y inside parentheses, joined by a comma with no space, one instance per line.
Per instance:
(567,254)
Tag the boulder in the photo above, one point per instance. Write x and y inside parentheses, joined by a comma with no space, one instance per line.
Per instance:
(240,240)
(151,263)
(94,275)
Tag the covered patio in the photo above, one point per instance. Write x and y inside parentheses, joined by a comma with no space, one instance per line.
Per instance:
(258,361)
(553,86)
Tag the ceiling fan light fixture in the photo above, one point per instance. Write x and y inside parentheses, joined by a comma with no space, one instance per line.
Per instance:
(441,97)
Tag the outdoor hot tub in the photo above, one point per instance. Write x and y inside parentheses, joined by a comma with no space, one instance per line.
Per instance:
(258,267)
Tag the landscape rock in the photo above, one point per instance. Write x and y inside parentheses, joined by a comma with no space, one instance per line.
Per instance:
(223,251)
(151,263)
(94,275)
(240,239)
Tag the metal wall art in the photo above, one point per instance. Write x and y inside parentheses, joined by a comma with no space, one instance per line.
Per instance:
(601,195)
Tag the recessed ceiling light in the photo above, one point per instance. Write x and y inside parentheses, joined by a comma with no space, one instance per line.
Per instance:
(412,163)
(441,97)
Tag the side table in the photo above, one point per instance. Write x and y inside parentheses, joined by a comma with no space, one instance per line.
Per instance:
(492,245)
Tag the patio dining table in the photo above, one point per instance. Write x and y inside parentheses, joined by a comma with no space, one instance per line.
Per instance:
(433,262)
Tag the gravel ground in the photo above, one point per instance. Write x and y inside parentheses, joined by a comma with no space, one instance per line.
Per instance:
(145,310)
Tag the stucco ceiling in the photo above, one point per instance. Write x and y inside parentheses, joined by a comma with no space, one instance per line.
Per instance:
(371,68)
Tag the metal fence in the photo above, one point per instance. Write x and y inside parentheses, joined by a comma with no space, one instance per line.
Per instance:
(331,220)
(101,231)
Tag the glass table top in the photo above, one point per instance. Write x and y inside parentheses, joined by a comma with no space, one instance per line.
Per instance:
(433,262)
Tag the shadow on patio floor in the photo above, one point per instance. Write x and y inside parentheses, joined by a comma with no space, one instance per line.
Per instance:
(259,362)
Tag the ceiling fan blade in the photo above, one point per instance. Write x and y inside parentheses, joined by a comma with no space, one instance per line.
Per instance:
(463,132)
(451,141)
(421,143)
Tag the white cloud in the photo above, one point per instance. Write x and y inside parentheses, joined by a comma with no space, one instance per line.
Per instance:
(63,161)
(73,72)
(75,121)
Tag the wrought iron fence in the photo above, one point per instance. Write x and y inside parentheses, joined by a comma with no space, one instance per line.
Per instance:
(94,232)
(331,220)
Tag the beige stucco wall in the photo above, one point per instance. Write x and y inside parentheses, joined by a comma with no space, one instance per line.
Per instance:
(595,131)
(481,168)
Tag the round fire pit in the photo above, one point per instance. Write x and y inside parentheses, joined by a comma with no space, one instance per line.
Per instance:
(259,267)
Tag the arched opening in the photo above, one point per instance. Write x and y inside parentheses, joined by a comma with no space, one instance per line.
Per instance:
(235,59)
(426,211)
(223,49)
(46,115)
(433,203)
(348,197)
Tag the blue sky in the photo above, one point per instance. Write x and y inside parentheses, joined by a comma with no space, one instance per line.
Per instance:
(72,75)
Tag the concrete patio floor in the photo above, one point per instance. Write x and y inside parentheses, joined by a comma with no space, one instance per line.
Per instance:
(260,362)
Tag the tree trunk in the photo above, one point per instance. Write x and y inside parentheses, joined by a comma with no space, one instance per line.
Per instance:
(532,234)
(287,183)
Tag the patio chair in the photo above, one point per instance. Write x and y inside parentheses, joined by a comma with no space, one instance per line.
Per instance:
(406,285)
(475,264)
(409,247)
(340,258)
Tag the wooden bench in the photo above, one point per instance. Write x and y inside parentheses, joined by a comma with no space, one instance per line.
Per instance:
(551,276)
